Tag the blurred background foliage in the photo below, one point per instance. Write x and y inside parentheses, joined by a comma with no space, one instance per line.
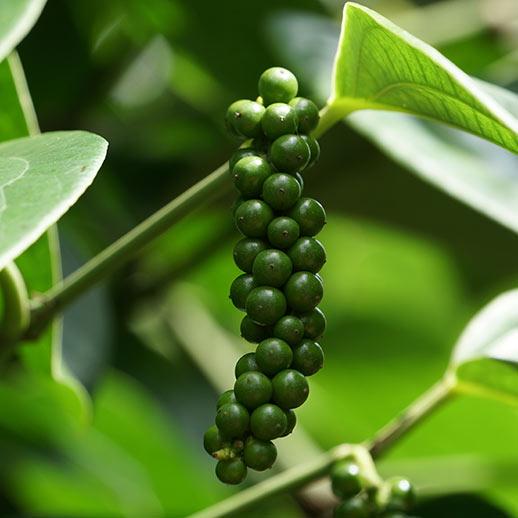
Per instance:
(407,265)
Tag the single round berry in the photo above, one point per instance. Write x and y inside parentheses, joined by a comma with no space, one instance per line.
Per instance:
(292,422)
(246,250)
(346,479)
(307,254)
(273,355)
(259,455)
(290,153)
(271,268)
(299,179)
(246,363)
(308,357)
(282,232)
(268,422)
(241,153)
(253,217)
(244,118)
(226,397)
(253,389)
(277,85)
(315,323)
(281,191)
(310,215)
(401,495)
(356,507)
(265,305)
(303,291)
(290,329)
(231,471)
(253,332)
(237,203)
(212,440)
(240,288)
(232,420)
(279,119)
(290,389)
(307,114)
(249,175)
(314,149)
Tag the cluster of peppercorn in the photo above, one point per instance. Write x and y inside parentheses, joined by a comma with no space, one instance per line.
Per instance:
(280,287)
(360,499)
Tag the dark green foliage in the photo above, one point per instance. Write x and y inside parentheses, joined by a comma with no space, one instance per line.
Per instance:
(277,85)
(268,422)
(273,355)
(289,153)
(290,389)
(290,329)
(266,305)
(246,250)
(271,268)
(303,291)
(239,290)
(252,218)
(307,114)
(314,323)
(231,471)
(244,118)
(252,389)
(281,191)
(232,420)
(346,479)
(249,175)
(245,364)
(308,254)
(310,215)
(259,455)
(253,332)
(308,357)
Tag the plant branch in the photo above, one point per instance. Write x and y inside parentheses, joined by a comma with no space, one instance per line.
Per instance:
(15,318)
(298,476)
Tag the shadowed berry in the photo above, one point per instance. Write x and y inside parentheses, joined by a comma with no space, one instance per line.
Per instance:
(271,268)
(246,250)
(231,471)
(290,153)
(268,422)
(259,455)
(253,332)
(307,114)
(279,119)
(245,364)
(252,218)
(265,305)
(240,288)
(290,389)
(281,191)
(310,215)
(273,355)
(290,329)
(308,357)
(253,389)
(303,291)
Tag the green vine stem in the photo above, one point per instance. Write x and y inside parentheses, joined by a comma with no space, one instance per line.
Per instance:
(16,311)
(298,476)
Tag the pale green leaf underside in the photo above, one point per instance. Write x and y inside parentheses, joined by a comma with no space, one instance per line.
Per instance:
(380,66)
(485,359)
(41,177)
(16,19)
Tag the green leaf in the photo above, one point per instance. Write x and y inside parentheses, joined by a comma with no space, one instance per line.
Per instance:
(16,19)
(380,66)
(485,359)
(40,178)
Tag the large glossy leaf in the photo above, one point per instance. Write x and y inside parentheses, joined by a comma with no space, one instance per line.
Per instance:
(16,19)
(476,172)
(485,359)
(380,66)
(40,178)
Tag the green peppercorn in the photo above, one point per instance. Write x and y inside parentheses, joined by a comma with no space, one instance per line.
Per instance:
(273,355)
(307,254)
(268,422)
(346,479)
(303,291)
(244,118)
(226,397)
(253,389)
(279,119)
(299,179)
(271,268)
(315,323)
(310,215)
(400,494)
(314,150)
(282,232)
(232,420)
(245,364)
(259,455)
(231,471)
(281,191)
(253,217)
(249,175)
(290,389)
(240,288)
(246,250)
(308,357)
(265,305)
(212,440)
(277,85)
(356,507)
(290,153)
(292,422)
(237,203)
(307,114)
(240,153)
(253,332)
(290,329)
